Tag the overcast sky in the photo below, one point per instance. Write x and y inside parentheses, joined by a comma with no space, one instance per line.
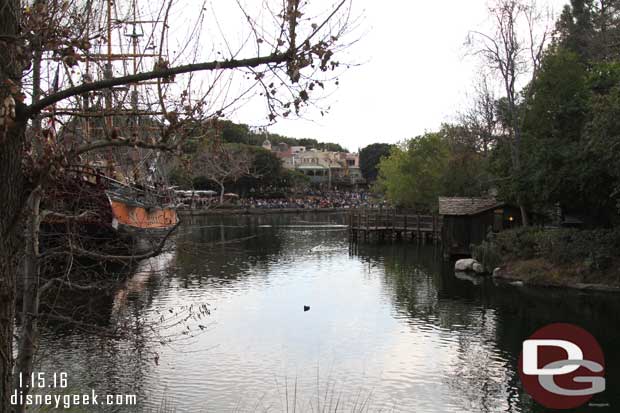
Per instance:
(414,75)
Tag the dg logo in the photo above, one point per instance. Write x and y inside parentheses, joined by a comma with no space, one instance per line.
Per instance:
(562,366)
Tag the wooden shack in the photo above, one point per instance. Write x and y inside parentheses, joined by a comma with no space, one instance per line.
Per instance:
(467,221)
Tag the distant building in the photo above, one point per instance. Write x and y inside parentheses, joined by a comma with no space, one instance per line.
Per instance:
(322,167)
(352,159)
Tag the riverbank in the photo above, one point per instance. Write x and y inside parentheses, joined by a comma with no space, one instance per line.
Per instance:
(567,258)
(541,273)
(256,211)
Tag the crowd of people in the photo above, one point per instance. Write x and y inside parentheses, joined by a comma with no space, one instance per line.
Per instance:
(308,200)
(312,200)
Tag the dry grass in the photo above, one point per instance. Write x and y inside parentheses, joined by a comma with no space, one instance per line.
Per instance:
(541,272)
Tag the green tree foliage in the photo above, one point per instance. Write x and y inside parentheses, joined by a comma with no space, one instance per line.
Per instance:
(238,133)
(370,156)
(602,132)
(450,162)
(569,154)
(242,134)
(265,177)
(575,28)
(570,120)
(553,151)
(466,171)
(591,29)
(412,175)
(266,172)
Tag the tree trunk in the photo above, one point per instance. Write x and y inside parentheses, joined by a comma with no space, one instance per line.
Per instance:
(11,203)
(28,335)
(221,193)
(524,218)
(516,156)
(12,135)
(517,171)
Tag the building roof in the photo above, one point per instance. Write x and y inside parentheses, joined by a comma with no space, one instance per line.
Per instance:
(466,206)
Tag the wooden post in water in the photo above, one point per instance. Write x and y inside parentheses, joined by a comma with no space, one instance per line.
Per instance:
(359,223)
(349,221)
(418,227)
(380,225)
(352,220)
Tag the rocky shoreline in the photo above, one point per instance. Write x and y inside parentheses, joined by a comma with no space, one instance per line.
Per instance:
(504,274)
(543,277)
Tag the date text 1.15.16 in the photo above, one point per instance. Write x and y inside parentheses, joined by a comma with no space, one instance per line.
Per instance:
(42,380)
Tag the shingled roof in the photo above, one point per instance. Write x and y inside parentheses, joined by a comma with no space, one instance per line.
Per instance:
(466,206)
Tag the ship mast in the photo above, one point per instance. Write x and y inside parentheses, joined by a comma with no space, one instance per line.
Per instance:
(107,73)
(134,40)
(117,29)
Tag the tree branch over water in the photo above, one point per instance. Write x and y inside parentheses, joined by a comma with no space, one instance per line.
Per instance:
(37,107)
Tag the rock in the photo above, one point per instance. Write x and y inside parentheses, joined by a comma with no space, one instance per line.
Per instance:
(497,272)
(466,276)
(464,264)
(478,268)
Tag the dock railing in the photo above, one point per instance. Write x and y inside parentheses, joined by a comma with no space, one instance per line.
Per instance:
(387,224)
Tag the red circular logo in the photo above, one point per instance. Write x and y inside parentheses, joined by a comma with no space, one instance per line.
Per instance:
(562,366)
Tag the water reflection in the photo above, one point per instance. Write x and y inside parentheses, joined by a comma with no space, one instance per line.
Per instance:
(390,327)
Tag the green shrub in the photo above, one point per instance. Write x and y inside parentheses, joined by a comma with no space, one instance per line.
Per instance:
(487,253)
(596,249)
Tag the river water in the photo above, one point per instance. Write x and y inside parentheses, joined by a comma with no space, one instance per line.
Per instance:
(217,324)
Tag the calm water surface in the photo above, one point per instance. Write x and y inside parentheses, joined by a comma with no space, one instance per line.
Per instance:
(389,329)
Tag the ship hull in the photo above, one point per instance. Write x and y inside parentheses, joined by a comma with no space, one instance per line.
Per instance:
(106,221)
(143,228)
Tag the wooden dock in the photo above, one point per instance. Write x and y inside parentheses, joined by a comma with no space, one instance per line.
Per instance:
(387,225)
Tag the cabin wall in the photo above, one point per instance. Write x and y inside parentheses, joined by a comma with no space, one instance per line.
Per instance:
(480,225)
(459,232)
(455,235)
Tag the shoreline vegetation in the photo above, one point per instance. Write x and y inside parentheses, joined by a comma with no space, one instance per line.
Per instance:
(540,134)
(554,257)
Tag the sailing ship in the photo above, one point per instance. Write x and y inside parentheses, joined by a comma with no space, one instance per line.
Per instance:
(117,197)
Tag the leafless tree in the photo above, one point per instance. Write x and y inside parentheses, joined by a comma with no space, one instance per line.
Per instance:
(480,118)
(514,51)
(290,60)
(222,164)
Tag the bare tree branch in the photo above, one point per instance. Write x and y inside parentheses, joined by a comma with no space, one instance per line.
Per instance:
(124,258)
(274,58)
(122,142)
